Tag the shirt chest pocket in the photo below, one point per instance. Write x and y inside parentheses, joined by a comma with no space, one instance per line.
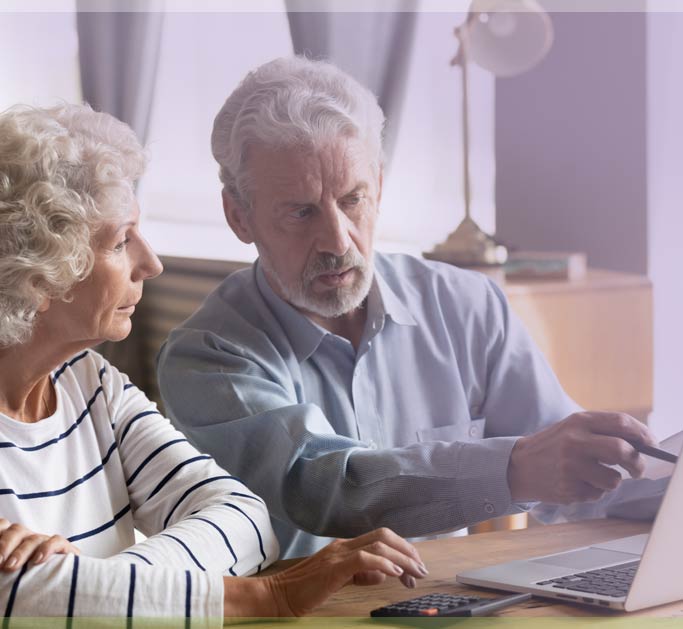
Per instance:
(464,431)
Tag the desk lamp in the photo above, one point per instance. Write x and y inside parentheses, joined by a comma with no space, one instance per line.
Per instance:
(507,38)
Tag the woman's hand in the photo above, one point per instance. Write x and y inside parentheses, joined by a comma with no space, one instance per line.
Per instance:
(18,545)
(364,560)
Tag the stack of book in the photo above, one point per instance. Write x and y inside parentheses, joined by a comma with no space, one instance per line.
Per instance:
(545,265)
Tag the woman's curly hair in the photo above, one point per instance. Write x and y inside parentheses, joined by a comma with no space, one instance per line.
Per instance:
(63,170)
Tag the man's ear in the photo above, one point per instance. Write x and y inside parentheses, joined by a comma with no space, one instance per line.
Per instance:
(236,215)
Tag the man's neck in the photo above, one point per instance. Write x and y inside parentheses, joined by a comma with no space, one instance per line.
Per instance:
(349,326)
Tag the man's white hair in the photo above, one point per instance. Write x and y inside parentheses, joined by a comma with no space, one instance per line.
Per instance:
(291,101)
(60,170)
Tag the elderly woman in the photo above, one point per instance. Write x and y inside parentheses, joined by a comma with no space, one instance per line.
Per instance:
(85,457)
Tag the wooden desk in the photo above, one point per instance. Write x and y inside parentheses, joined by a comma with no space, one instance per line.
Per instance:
(446,557)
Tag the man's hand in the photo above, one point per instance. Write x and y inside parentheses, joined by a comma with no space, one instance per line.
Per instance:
(568,462)
(18,545)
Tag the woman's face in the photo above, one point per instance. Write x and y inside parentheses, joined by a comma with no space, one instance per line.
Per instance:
(103,303)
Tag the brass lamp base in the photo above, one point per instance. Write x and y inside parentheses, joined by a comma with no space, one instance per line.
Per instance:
(469,246)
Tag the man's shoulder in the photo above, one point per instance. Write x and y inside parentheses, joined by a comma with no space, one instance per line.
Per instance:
(236,298)
(234,318)
(408,275)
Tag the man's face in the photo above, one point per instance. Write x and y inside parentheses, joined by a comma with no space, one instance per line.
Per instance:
(312,217)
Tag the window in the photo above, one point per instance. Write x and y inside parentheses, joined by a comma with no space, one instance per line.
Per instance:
(39,57)
(423,198)
(204,56)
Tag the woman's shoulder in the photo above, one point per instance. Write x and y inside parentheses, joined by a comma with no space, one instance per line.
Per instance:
(90,374)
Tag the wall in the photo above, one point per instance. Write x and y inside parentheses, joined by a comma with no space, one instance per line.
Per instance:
(571,144)
(665,211)
(589,157)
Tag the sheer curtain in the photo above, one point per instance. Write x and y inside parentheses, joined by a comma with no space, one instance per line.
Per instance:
(119,56)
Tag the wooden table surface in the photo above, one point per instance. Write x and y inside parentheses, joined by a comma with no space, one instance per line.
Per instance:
(446,557)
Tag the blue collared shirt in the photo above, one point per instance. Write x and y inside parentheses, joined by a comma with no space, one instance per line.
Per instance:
(413,430)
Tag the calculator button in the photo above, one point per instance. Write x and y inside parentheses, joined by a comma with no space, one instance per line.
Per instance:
(432,611)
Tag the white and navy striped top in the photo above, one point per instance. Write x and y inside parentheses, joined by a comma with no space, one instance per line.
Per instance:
(105,463)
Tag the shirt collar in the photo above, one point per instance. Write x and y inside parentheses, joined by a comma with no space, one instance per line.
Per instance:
(305,336)
(391,305)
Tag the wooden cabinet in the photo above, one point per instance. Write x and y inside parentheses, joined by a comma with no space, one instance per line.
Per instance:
(597,335)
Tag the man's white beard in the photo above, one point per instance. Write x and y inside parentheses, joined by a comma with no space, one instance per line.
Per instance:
(333,302)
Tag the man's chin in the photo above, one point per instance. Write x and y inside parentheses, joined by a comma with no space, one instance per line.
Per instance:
(334,303)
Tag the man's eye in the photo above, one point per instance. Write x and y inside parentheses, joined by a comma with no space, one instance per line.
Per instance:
(352,201)
(302,212)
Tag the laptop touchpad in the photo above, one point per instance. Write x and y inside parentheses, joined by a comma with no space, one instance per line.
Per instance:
(586,559)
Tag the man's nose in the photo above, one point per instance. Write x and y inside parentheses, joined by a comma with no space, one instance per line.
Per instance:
(333,235)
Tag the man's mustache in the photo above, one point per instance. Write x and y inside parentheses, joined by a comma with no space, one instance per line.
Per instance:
(326,262)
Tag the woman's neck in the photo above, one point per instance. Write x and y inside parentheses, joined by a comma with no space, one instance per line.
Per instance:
(26,390)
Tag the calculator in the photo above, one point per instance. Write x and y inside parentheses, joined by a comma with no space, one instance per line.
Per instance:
(434,605)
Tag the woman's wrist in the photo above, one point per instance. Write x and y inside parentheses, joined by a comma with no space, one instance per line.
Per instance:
(250,596)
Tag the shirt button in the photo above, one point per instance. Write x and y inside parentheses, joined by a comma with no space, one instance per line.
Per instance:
(489,508)
(473,431)
(372,445)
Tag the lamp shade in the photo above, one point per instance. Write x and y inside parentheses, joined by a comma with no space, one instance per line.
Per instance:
(508,37)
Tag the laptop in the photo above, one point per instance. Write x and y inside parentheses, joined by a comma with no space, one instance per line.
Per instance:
(629,573)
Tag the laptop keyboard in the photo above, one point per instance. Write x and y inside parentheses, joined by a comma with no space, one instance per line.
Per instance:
(613,581)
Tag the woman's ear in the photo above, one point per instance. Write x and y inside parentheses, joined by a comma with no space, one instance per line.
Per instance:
(237,218)
(381,183)
(44,304)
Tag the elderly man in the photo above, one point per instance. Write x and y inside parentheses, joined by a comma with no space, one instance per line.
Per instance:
(353,389)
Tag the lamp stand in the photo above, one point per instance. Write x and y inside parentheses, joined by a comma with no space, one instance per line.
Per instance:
(468,245)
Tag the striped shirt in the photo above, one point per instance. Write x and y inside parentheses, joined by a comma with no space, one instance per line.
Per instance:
(108,462)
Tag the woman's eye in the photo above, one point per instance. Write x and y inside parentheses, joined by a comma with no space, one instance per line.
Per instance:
(122,245)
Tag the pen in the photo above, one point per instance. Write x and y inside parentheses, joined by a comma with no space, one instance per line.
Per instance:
(657,453)
(499,603)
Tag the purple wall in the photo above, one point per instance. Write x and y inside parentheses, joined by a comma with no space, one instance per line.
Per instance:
(571,151)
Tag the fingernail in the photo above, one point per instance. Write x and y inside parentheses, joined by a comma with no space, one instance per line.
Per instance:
(410,581)
(423,569)
(38,558)
(398,570)
(11,562)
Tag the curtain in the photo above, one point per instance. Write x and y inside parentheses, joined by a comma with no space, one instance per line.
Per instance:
(372,46)
(118,56)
